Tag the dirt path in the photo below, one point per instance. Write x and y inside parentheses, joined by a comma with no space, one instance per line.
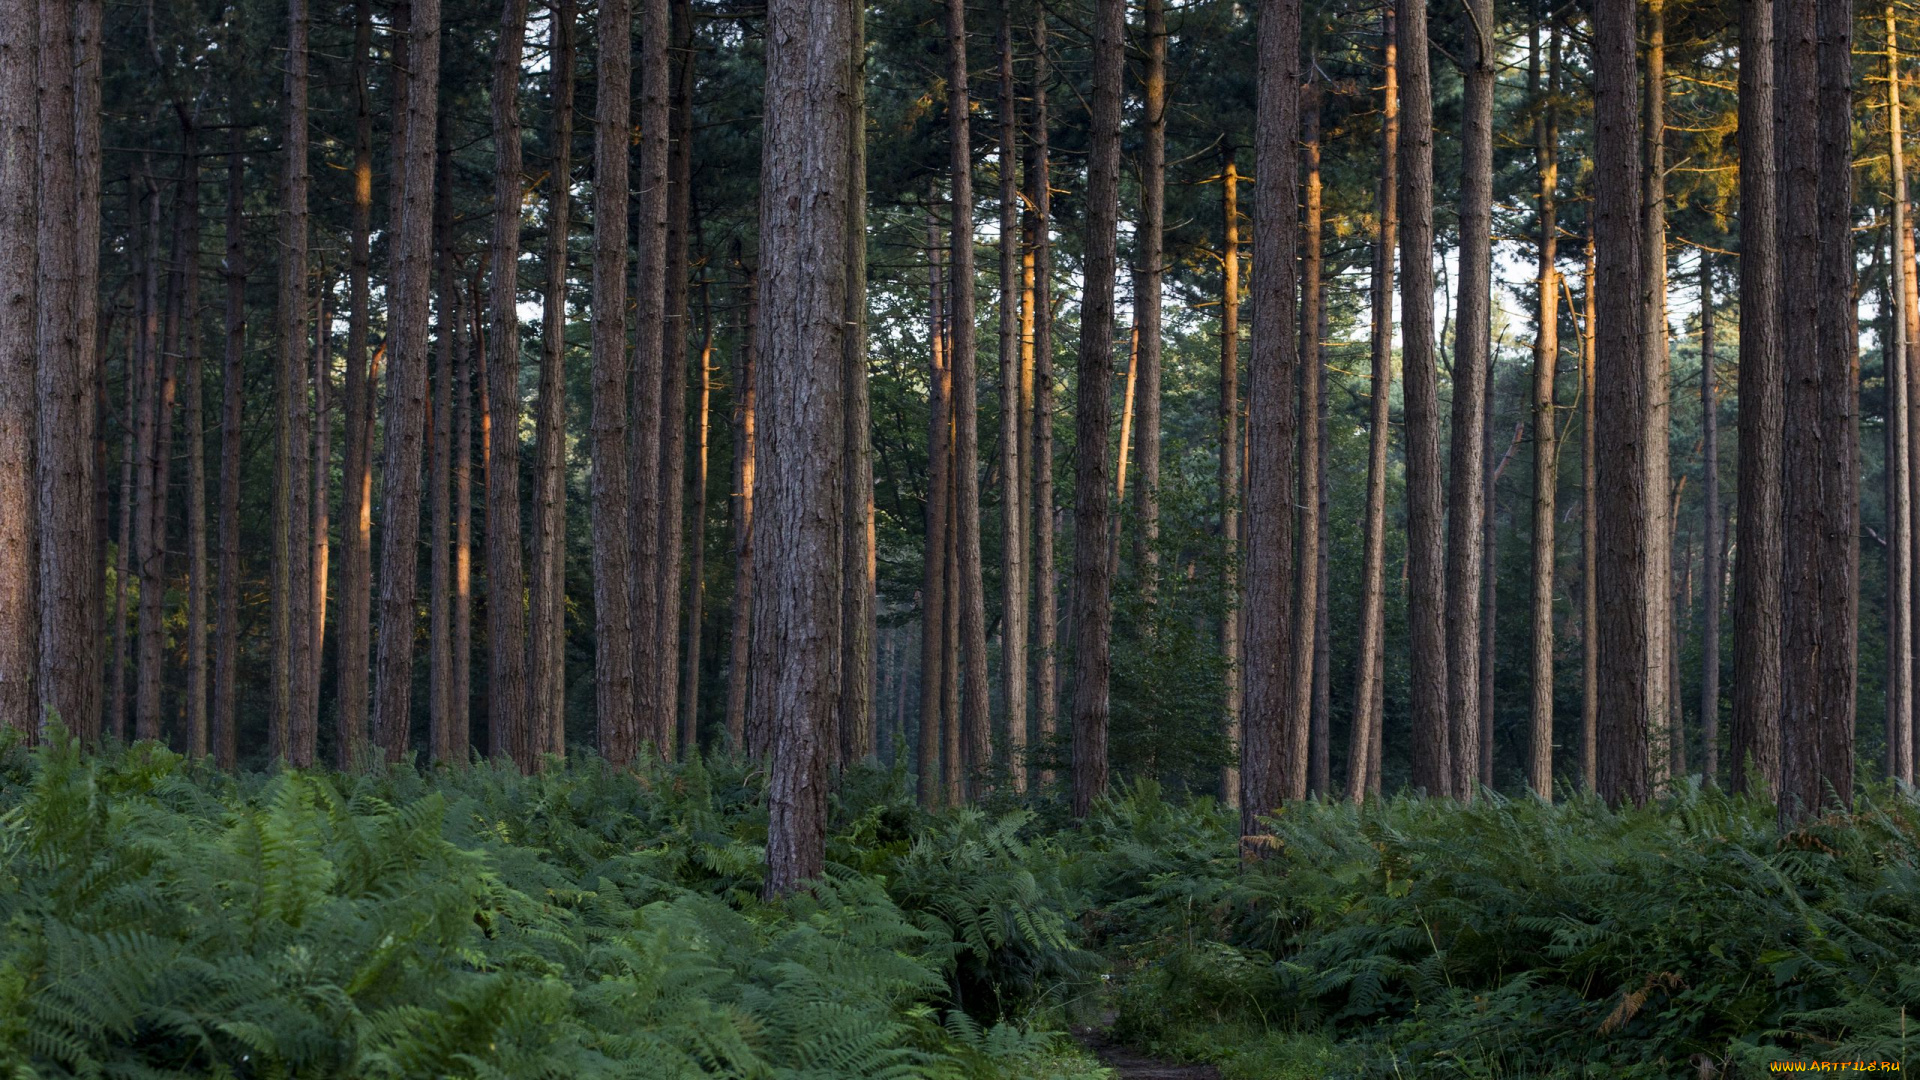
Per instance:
(1129,1065)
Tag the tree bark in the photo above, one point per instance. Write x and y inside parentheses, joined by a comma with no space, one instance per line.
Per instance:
(1306,597)
(356,474)
(1230,473)
(469,378)
(90,351)
(648,408)
(1014,437)
(195,711)
(291,629)
(697,574)
(1045,621)
(547,682)
(1621,409)
(1373,573)
(976,723)
(1150,245)
(116,719)
(1712,530)
(151,483)
(859,571)
(673,327)
(743,478)
(1426,610)
(1895,354)
(1471,359)
(1589,544)
(19,140)
(1659,407)
(933,589)
(319,473)
(1819,464)
(1754,742)
(803,214)
(1093,572)
(1546,435)
(447,347)
(226,647)
(616,709)
(407,387)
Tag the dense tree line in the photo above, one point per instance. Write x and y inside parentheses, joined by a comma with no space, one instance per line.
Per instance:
(689,375)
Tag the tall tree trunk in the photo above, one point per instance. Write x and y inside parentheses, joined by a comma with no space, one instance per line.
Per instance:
(80,707)
(616,709)
(1306,599)
(697,574)
(440,685)
(1426,610)
(289,560)
(1320,739)
(1093,572)
(933,588)
(803,214)
(1490,579)
(952,751)
(1659,407)
(1620,412)
(1589,543)
(150,484)
(226,645)
(407,387)
(319,473)
(1755,736)
(1230,472)
(1045,621)
(744,438)
(976,723)
(1373,574)
(1899,724)
(356,473)
(1472,356)
(1546,436)
(1014,437)
(19,139)
(860,568)
(1712,531)
(195,712)
(508,645)
(673,327)
(470,371)
(116,719)
(1150,245)
(547,683)
(648,372)
(1818,507)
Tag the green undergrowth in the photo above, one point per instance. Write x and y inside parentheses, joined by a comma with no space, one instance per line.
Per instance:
(159,919)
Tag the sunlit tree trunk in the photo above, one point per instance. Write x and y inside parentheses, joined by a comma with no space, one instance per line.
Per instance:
(1230,471)
(1149,246)
(1306,497)
(1659,409)
(1589,544)
(356,473)
(19,264)
(319,473)
(697,573)
(1546,435)
(744,438)
(1045,620)
(1899,700)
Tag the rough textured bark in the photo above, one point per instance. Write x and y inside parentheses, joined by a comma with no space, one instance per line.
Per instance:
(1150,242)
(116,718)
(673,328)
(1306,597)
(1471,357)
(508,645)
(697,573)
(1713,572)
(469,378)
(1896,348)
(149,512)
(1546,435)
(1818,507)
(226,646)
(1373,574)
(803,215)
(859,570)
(547,676)
(613,569)
(289,560)
(1230,472)
(1589,545)
(1755,736)
(194,710)
(319,472)
(933,588)
(744,438)
(90,351)
(1093,572)
(1014,437)
(1659,406)
(1045,617)
(648,407)
(1620,412)
(356,471)
(1426,609)
(19,139)
(976,723)
(440,683)
(407,388)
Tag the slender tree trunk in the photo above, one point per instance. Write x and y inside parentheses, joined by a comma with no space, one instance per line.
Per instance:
(1127,399)
(1659,408)
(19,140)
(1490,580)
(1320,779)
(803,213)
(116,719)
(1589,544)
(648,407)
(290,541)
(1818,508)
(1093,573)
(976,724)
(673,409)
(1306,597)
(1373,575)
(1546,441)
(1013,435)
(356,473)
(320,472)
(1150,248)
(1621,437)
(1426,610)
(697,575)
(1755,736)
(859,573)
(616,709)
(508,645)
(226,646)
(1045,622)
(743,478)
(1471,359)
(952,760)
(80,705)
(1230,472)
(151,545)
(1712,532)
(933,588)
(1899,723)
(547,689)
(440,688)
(195,712)
(407,387)
(470,371)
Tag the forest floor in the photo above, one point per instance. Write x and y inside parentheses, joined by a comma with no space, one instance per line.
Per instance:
(1131,1065)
